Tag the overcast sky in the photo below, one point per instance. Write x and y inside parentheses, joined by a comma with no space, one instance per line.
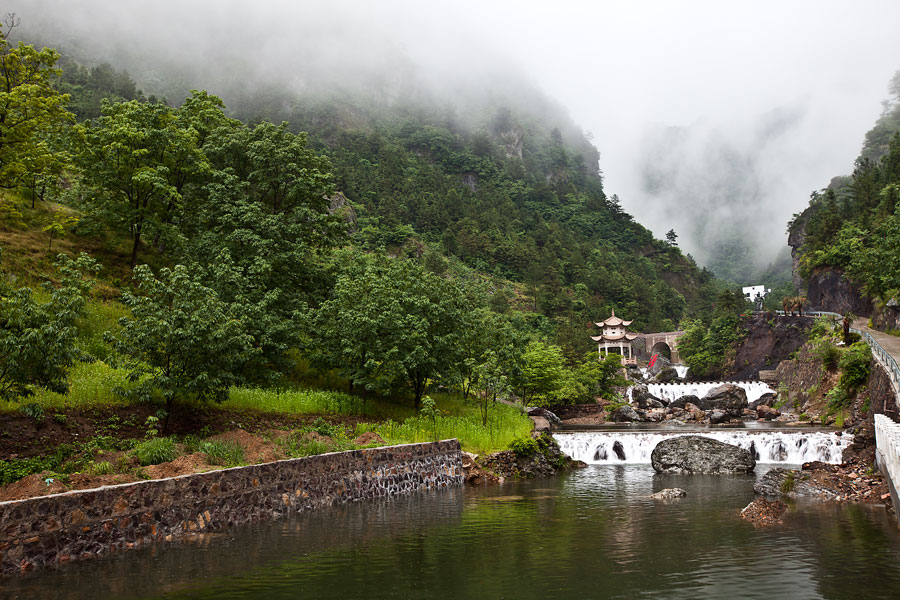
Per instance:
(623,70)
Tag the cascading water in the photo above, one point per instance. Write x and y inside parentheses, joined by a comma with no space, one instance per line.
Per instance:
(673,391)
(772,447)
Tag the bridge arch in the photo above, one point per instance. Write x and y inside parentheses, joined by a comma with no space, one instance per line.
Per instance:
(663,349)
(664,343)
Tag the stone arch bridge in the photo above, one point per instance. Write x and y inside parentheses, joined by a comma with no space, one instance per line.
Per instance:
(664,343)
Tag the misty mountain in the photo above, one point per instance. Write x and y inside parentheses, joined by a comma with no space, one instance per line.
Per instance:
(715,191)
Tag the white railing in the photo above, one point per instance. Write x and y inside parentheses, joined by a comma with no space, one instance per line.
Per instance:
(887,442)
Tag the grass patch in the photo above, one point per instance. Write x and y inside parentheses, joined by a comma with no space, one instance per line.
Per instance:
(155,451)
(506,423)
(90,386)
(223,453)
(789,482)
(312,402)
(100,317)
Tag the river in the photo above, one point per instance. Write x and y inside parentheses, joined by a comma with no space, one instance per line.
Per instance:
(593,533)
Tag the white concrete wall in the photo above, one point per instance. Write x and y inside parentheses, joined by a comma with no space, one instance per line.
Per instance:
(887,440)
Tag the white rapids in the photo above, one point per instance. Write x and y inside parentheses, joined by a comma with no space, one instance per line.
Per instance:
(768,447)
(673,391)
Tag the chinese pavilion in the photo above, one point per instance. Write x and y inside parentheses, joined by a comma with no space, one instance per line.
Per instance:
(614,335)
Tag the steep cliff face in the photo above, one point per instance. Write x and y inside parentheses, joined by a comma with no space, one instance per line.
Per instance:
(796,238)
(887,318)
(828,289)
(879,394)
(769,341)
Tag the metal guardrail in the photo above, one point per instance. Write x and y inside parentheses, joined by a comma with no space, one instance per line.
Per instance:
(881,355)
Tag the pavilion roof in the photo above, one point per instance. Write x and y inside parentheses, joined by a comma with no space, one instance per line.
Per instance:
(613,321)
(614,338)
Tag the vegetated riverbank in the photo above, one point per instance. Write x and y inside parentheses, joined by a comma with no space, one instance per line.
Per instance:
(76,442)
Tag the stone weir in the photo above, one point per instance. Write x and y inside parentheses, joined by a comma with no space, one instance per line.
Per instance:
(766,446)
(48,530)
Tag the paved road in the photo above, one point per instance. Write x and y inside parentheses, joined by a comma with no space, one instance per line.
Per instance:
(891,343)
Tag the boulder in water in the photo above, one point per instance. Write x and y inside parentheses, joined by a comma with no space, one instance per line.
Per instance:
(728,397)
(767,412)
(661,363)
(666,375)
(669,494)
(683,401)
(697,454)
(767,399)
(717,416)
(625,414)
(642,398)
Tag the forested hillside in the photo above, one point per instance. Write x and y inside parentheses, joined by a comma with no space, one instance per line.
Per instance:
(853,224)
(397,245)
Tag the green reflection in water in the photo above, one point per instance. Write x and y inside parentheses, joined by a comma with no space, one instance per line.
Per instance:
(592,534)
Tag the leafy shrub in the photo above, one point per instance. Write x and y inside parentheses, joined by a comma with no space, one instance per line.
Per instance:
(838,398)
(821,328)
(14,470)
(323,427)
(155,451)
(221,452)
(854,366)
(829,354)
(35,411)
(525,446)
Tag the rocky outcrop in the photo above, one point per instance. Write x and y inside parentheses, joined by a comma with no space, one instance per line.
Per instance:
(790,483)
(727,397)
(339,205)
(852,481)
(512,140)
(887,317)
(829,289)
(796,238)
(696,454)
(669,494)
(547,460)
(768,341)
(764,513)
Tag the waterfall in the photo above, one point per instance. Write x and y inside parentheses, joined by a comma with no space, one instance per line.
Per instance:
(773,447)
(673,391)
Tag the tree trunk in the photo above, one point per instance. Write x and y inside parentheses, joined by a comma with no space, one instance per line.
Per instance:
(134,249)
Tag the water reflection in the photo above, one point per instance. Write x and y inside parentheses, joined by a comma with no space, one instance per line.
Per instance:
(593,534)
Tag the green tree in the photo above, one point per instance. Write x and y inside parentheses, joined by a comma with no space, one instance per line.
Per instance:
(180,341)
(601,377)
(264,265)
(30,109)
(37,339)
(543,373)
(138,158)
(389,324)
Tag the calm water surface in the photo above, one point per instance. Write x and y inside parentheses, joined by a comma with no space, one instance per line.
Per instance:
(590,534)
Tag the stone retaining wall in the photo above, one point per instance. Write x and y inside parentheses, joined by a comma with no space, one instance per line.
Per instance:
(48,530)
